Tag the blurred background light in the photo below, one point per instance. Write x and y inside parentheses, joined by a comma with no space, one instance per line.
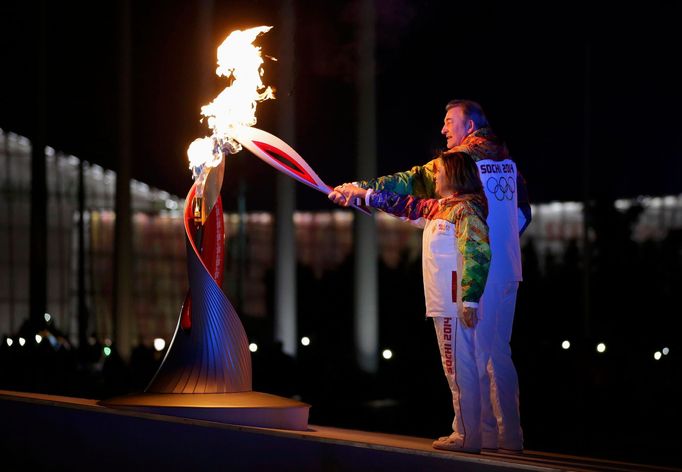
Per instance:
(159,344)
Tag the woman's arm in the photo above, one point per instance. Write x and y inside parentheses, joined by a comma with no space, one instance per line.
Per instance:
(409,207)
(473,244)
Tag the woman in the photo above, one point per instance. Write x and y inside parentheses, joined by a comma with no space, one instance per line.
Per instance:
(455,263)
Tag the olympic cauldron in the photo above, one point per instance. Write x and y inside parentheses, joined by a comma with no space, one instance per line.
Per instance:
(206,373)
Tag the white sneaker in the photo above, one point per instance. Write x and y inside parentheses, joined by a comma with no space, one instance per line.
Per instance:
(453,443)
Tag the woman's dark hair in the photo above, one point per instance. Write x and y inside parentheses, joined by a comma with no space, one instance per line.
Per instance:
(462,171)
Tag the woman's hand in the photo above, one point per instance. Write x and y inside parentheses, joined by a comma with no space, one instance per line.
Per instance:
(469,316)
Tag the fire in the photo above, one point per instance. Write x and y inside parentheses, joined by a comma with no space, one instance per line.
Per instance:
(241,63)
(203,156)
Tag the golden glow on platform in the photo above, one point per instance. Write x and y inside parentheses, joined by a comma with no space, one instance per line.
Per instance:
(205,400)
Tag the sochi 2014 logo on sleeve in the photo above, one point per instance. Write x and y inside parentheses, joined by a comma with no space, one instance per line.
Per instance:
(503,187)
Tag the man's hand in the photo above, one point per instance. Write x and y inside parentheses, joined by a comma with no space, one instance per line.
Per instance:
(469,316)
(344,194)
(337,197)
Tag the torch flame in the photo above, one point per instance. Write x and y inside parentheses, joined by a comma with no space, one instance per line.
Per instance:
(240,62)
(200,152)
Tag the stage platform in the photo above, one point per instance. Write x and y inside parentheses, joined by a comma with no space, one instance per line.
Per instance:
(50,432)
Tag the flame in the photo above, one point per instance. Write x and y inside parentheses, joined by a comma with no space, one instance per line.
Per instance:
(203,156)
(200,152)
(241,63)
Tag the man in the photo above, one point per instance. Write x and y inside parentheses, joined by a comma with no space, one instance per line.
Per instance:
(466,130)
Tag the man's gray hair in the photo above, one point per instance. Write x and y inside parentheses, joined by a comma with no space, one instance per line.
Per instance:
(471,109)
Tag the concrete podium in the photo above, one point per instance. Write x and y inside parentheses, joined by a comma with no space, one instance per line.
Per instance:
(47,432)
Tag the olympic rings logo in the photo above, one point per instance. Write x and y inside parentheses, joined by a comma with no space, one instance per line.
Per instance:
(503,188)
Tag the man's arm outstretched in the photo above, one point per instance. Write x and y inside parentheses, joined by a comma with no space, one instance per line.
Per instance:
(419,181)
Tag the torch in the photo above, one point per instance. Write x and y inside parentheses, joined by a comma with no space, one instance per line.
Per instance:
(278,154)
(230,116)
(206,372)
(209,351)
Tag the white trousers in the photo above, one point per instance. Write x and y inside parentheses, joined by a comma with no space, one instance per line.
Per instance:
(456,344)
(499,384)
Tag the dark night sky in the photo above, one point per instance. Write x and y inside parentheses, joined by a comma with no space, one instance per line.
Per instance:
(530,68)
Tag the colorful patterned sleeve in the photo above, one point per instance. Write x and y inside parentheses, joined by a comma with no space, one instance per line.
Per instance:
(419,181)
(408,206)
(474,245)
